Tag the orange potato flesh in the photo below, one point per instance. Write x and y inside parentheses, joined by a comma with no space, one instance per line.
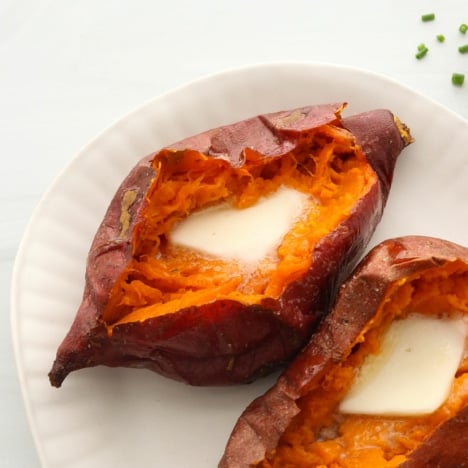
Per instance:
(162,278)
(320,436)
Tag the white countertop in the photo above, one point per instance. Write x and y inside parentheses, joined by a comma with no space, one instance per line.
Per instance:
(69,68)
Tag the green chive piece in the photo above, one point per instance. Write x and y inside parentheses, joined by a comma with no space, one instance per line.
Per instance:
(428,17)
(458,79)
(463,49)
(463,28)
(421,53)
(440,37)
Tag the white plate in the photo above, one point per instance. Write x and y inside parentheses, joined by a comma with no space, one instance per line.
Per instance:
(120,417)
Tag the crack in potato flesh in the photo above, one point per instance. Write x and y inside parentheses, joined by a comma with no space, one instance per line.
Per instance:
(162,278)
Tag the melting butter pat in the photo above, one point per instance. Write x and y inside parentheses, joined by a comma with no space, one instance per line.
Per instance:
(247,235)
(414,370)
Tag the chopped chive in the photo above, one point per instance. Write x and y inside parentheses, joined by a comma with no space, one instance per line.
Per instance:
(440,37)
(422,51)
(421,54)
(458,79)
(428,17)
(463,28)
(463,49)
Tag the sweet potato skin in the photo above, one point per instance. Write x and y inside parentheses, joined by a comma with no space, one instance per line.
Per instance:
(261,425)
(226,342)
(446,448)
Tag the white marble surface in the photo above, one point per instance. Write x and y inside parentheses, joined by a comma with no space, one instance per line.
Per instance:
(69,68)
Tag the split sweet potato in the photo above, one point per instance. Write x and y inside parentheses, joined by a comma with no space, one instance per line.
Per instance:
(201,319)
(298,423)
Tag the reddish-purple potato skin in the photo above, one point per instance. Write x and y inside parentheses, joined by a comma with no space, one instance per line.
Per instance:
(446,448)
(226,342)
(261,425)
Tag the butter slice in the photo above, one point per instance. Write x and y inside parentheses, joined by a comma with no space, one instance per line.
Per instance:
(413,373)
(247,235)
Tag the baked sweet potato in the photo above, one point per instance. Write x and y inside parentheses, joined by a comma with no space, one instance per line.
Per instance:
(299,422)
(210,320)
